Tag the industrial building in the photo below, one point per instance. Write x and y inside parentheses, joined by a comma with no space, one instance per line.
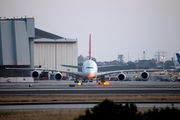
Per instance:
(52,51)
(23,46)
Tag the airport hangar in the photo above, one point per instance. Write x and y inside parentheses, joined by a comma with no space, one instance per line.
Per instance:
(24,46)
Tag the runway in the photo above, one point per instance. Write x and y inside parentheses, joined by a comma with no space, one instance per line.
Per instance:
(62,88)
(114,87)
(63,83)
(84,90)
(87,104)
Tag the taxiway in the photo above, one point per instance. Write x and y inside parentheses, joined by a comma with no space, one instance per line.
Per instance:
(87,104)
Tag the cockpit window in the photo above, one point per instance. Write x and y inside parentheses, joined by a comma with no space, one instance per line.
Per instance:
(89,68)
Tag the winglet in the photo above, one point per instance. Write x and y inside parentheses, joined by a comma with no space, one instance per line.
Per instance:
(90,47)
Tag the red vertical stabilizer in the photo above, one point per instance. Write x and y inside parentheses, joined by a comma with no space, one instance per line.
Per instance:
(90,47)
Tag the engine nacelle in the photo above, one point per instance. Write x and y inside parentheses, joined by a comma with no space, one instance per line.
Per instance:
(121,76)
(58,76)
(144,75)
(35,74)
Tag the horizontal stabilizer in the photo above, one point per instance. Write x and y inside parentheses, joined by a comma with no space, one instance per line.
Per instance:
(72,66)
(108,66)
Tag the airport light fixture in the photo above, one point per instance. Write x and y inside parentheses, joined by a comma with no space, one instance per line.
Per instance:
(164,58)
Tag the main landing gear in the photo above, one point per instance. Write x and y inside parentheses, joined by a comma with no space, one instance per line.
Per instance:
(76,80)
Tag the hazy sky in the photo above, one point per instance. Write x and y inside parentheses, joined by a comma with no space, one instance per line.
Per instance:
(116,26)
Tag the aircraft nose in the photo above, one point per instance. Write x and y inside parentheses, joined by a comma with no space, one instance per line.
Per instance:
(91,75)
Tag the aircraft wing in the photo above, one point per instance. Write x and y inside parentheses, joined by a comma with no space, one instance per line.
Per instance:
(134,70)
(52,70)
(72,66)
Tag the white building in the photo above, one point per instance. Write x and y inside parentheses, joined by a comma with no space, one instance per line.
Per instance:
(51,53)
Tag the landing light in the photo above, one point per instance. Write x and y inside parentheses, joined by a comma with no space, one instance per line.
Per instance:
(136,76)
(103,83)
(79,83)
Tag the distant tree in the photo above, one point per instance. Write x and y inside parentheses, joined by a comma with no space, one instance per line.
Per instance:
(87,58)
(146,64)
(152,65)
(160,65)
(131,65)
(94,59)
(168,64)
(114,62)
(142,62)
(100,63)
(143,67)
(80,59)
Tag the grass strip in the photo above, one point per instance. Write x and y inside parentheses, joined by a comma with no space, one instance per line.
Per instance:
(63,114)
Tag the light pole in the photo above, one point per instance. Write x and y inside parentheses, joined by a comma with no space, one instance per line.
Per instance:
(163,58)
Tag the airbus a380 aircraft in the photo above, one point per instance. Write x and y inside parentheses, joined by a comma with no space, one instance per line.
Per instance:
(89,70)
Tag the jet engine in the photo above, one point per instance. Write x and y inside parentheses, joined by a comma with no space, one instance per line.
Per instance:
(58,76)
(121,76)
(35,74)
(144,75)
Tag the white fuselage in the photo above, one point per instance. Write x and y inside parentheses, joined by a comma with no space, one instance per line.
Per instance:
(89,69)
